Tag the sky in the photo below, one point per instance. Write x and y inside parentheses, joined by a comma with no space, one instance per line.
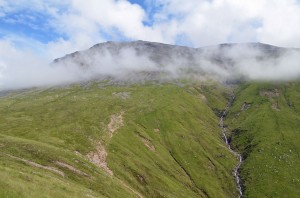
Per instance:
(35,31)
(52,28)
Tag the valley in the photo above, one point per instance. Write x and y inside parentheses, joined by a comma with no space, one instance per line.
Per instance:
(152,140)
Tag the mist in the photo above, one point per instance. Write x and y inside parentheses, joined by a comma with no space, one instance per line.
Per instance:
(25,70)
(144,61)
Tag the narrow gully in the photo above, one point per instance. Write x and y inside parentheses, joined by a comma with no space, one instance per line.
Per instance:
(239,156)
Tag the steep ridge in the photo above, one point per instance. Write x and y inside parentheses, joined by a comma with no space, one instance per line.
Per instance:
(59,127)
(166,143)
(264,127)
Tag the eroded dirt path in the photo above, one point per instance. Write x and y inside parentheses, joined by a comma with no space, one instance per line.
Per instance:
(98,157)
(33,164)
(71,168)
(116,121)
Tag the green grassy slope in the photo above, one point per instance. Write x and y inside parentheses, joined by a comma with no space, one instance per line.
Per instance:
(265,125)
(161,140)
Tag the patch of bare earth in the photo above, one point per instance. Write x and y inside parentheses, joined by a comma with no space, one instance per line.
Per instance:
(270,93)
(98,157)
(156,130)
(148,144)
(90,196)
(273,96)
(116,121)
(275,106)
(71,168)
(246,106)
(31,163)
(122,95)
(202,97)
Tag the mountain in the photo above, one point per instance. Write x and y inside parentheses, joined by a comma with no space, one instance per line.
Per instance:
(140,60)
(163,53)
(157,52)
(105,137)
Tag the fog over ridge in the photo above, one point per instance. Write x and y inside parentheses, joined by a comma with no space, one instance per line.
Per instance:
(140,60)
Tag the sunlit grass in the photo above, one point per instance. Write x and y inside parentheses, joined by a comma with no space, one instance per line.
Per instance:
(63,124)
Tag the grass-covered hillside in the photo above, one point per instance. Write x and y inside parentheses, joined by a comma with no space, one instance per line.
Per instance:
(265,125)
(159,140)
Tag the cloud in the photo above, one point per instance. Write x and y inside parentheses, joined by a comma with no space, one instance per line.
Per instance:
(195,23)
(20,68)
(220,21)
(127,61)
(74,25)
(140,61)
(285,68)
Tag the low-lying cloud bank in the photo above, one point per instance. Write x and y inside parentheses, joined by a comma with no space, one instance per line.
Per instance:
(136,61)
(21,68)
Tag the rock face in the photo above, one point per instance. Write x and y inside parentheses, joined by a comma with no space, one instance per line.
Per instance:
(150,60)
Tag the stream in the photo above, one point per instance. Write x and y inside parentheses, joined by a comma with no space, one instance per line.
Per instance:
(239,156)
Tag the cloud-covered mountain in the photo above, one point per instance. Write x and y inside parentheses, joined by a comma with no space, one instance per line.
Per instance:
(128,60)
(141,61)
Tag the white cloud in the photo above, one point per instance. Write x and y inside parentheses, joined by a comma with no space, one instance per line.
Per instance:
(82,24)
(199,22)
(21,68)
(109,16)
(219,21)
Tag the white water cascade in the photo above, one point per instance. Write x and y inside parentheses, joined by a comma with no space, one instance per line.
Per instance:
(239,156)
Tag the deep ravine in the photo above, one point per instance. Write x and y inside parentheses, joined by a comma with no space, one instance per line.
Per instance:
(238,155)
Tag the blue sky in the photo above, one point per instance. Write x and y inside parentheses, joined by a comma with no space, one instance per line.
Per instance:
(143,4)
(28,24)
(34,32)
(35,24)
(56,27)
